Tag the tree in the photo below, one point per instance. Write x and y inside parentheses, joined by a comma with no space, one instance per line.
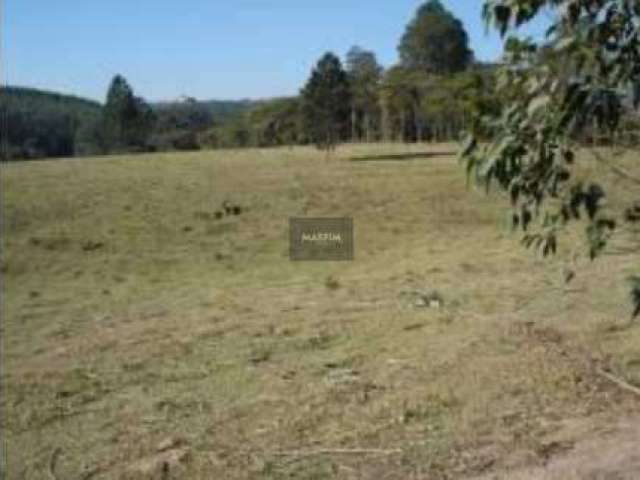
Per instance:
(435,41)
(127,119)
(276,122)
(418,106)
(450,103)
(364,77)
(325,103)
(179,124)
(576,83)
(185,115)
(400,96)
(118,107)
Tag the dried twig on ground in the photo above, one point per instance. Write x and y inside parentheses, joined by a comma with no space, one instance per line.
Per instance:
(618,381)
(337,451)
(52,463)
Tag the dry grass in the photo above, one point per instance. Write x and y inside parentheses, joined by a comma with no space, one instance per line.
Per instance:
(132,317)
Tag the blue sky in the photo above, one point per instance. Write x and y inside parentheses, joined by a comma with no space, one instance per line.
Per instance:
(226,49)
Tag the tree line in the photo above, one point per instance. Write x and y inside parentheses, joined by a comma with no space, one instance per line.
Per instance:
(431,94)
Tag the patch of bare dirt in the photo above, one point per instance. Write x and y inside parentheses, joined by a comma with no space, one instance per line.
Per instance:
(170,456)
(607,454)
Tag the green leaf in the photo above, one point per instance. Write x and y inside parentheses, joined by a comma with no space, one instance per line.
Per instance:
(469,146)
(564,44)
(538,104)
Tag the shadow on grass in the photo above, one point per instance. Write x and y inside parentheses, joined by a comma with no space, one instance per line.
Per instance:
(395,157)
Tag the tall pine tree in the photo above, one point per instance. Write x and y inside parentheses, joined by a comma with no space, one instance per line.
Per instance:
(326,103)
(127,119)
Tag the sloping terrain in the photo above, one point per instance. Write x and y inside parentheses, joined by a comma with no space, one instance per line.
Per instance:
(39,123)
(145,335)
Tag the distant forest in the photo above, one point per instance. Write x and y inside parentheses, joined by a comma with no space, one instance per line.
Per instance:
(41,124)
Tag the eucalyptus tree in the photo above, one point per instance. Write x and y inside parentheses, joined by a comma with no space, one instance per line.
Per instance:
(365,74)
(400,98)
(435,41)
(577,80)
(419,106)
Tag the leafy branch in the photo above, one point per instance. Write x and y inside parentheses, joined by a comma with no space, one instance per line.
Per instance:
(580,81)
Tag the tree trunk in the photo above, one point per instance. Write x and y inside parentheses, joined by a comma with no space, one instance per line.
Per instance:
(354,132)
(385,122)
(367,126)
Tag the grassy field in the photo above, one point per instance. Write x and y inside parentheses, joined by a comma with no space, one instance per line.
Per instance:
(145,338)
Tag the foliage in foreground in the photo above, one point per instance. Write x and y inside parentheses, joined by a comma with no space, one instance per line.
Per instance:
(580,83)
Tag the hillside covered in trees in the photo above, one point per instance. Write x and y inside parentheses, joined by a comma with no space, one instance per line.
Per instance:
(44,124)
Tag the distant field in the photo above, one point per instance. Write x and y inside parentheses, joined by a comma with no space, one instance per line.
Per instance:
(145,338)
